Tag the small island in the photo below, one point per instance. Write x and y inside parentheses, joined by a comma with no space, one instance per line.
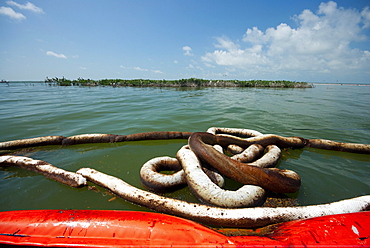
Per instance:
(191,82)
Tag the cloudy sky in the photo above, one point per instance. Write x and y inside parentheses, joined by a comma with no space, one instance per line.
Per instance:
(306,40)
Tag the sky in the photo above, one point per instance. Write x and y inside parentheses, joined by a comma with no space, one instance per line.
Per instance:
(297,40)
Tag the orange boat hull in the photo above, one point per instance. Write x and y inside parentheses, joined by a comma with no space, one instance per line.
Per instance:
(109,228)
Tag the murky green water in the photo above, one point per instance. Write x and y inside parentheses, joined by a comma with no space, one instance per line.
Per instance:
(335,112)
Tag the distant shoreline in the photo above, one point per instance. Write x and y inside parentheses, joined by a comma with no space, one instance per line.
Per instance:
(190,82)
(187,83)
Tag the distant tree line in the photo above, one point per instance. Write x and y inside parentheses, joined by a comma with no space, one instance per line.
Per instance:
(190,82)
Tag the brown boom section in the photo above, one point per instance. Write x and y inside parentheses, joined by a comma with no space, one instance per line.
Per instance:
(277,180)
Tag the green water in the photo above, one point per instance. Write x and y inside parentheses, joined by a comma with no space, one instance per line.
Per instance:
(335,112)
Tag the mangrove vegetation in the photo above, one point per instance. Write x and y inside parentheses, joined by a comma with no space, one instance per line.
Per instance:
(190,82)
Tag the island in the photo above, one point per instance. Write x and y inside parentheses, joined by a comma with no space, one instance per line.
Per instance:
(190,82)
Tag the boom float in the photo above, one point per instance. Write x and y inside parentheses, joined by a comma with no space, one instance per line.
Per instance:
(108,228)
(200,165)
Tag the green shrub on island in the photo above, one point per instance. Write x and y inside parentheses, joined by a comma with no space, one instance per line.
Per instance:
(190,82)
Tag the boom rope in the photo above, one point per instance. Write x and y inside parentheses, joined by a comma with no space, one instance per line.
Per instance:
(254,154)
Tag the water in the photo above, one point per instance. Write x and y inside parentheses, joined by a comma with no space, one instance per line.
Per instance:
(334,112)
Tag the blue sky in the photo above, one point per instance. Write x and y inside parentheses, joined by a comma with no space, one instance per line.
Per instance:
(305,40)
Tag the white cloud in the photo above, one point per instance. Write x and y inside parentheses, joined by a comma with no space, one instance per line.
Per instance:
(11,13)
(365,14)
(320,43)
(137,68)
(157,71)
(226,43)
(57,55)
(187,51)
(27,6)
(234,56)
(140,69)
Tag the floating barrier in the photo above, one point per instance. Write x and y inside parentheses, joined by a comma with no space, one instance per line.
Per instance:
(211,193)
(283,181)
(90,138)
(66,177)
(258,152)
(107,228)
(217,216)
(153,180)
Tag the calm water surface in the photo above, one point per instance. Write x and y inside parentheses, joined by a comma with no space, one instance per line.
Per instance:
(335,112)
